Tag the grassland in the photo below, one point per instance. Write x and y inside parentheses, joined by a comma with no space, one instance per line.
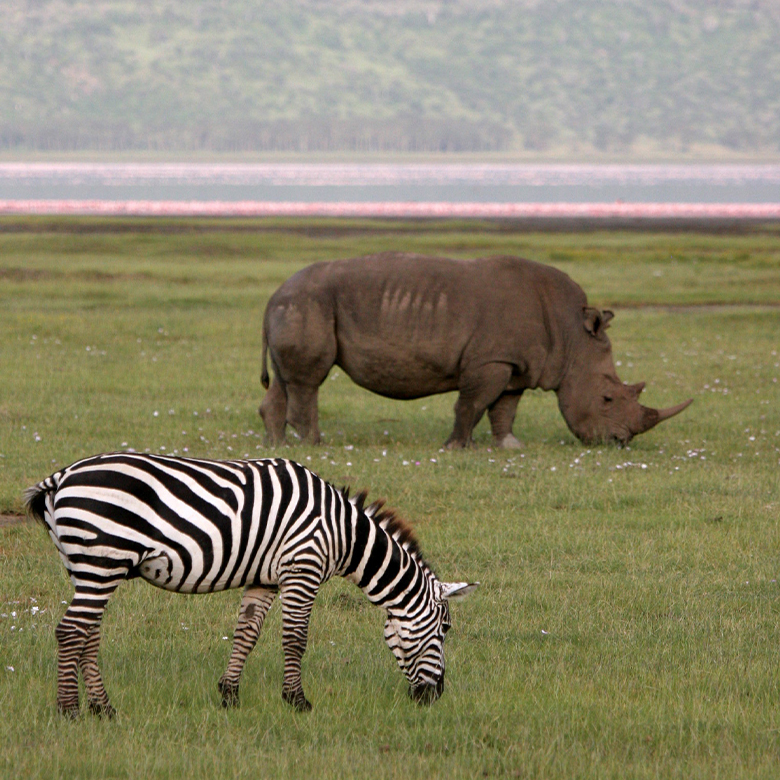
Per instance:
(627,623)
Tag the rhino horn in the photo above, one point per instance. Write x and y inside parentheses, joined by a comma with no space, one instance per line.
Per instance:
(651,417)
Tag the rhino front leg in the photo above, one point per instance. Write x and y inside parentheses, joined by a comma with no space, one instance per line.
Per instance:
(273,410)
(478,390)
(502,417)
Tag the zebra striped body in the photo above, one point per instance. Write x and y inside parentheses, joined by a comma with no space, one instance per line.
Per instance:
(268,526)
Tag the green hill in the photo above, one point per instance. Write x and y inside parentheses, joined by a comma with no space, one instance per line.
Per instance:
(559,76)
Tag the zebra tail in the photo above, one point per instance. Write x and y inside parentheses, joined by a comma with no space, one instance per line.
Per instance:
(264,378)
(35,499)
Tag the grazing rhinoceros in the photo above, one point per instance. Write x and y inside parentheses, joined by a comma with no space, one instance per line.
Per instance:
(406,326)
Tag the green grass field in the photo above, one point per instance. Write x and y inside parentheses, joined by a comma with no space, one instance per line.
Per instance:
(627,623)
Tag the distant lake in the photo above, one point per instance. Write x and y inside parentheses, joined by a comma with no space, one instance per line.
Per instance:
(390,183)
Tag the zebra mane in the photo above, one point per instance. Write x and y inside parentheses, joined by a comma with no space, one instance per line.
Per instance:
(387,519)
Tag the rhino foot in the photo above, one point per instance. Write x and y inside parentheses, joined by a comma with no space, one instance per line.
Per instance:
(456,444)
(507,442)
(453,445)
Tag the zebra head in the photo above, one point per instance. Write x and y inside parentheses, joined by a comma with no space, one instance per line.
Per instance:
(417,640)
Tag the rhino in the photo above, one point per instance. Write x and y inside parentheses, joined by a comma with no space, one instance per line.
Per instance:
(407,326)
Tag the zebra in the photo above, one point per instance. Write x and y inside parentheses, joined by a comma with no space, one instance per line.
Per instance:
(267,525)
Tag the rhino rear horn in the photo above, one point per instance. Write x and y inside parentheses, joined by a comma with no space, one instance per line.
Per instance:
(651,417)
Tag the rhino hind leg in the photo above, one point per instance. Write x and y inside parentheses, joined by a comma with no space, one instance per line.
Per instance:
(479,390)
(273,410)
(502,417)
(302,412)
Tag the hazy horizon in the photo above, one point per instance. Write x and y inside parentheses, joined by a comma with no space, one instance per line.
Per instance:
(567,80)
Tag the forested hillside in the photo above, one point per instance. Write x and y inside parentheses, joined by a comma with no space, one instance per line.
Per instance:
(548,76)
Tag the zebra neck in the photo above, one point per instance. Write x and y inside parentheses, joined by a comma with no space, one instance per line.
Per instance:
(390,575)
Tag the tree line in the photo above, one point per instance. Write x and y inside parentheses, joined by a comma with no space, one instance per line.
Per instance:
(371,75)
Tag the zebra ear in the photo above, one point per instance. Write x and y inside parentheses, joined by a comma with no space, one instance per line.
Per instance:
(457,590)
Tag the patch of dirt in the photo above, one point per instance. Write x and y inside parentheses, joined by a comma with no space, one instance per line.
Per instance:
(6,520)
(23,274)
(338,227)
(154,225)
(688,308)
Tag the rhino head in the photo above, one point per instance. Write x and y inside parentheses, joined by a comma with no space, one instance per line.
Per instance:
(596,405)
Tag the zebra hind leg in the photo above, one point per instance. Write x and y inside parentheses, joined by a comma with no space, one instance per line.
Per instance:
(70,643)
(78,637)
(254,607)
(97,697)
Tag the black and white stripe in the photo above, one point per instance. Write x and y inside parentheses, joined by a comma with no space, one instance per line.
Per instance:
(268,526)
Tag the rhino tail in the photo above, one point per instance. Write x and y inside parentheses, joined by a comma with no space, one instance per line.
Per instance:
(264,378)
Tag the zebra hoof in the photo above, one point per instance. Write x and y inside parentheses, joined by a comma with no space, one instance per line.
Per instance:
(69,711)
(102,710)
(297,700)
(229,694)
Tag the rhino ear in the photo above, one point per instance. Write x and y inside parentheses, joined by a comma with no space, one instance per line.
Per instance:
(595,321)
(636,389)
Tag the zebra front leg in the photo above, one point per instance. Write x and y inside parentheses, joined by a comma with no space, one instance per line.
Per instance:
(298,592)
(78,636)
(97,697)
(254,607)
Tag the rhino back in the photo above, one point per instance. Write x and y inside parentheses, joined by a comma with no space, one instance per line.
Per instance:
(410,325)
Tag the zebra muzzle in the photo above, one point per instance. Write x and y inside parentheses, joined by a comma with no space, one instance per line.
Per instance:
(426,693)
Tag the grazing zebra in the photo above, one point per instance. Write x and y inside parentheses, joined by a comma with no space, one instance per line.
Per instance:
(198,526)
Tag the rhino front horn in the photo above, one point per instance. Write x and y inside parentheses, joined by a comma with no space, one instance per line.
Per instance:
(651,417)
